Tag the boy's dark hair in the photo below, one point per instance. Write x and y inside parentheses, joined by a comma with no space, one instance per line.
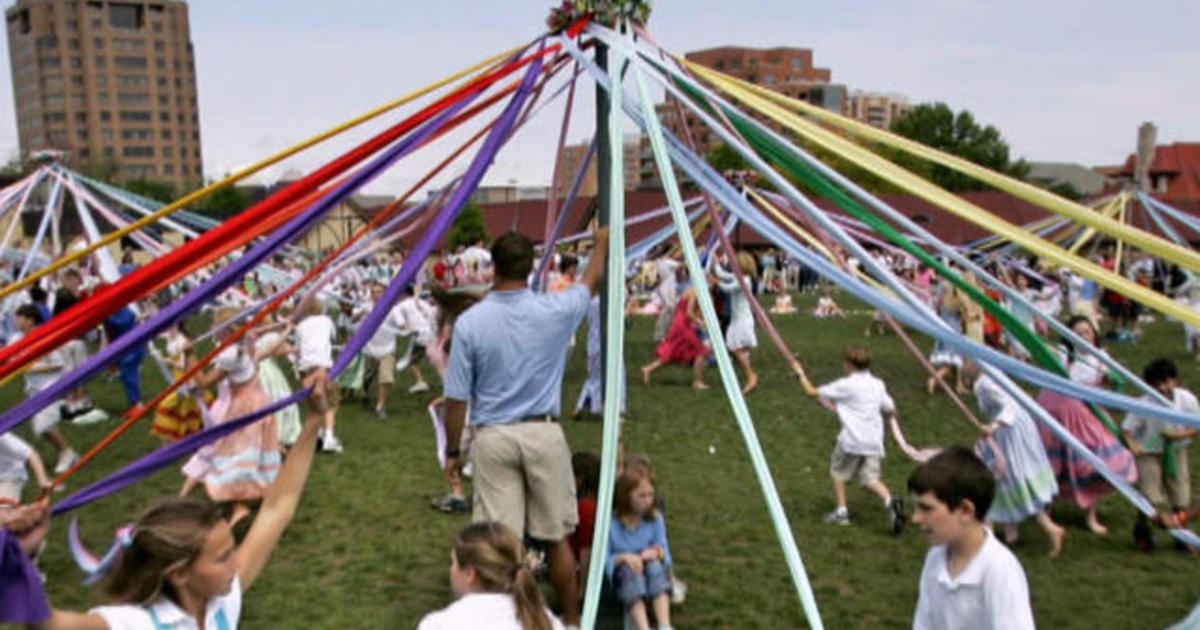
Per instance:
(1159,371)
(954,475)
(858,356)
(28,311)
(586,466)
(567,262)
(37,294)
(512,254)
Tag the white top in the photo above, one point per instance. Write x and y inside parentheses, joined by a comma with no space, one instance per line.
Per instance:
(14,452)
(237,365)
(37,381)
(860,399)
(995,403)
(383,342)
(1149,431)
(172,617)
(990,594)
(419,318)
(494,611)
(667,287)
(315,345)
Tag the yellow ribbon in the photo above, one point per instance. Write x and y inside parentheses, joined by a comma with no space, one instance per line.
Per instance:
(957,205)
(1022,190)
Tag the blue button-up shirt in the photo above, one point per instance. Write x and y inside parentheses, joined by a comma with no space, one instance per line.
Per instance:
(508,353)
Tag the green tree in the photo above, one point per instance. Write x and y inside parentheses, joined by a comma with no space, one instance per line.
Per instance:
(724,158)
(151,189)
(1067,191)
(106,169)
(468,227)
(225,202)
(936,125)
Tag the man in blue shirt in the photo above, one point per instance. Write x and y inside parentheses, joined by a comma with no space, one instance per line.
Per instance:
(507,356)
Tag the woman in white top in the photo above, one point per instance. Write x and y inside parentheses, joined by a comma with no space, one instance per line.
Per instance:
(181,569)
(739,336)
(495,589)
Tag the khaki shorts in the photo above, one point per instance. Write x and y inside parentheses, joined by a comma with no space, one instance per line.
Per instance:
(523,479)
(384,368)
(1163,491)
(845,466)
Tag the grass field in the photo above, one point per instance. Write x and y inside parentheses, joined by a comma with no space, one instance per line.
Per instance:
(367,551)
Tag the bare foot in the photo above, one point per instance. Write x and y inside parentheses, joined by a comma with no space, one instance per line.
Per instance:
(960,390)
(699,385)
(1095,527)
(1056,541)
(646,374)
(751,384)
(930,383)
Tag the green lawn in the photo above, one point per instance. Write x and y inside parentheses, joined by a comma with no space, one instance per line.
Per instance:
(366,550)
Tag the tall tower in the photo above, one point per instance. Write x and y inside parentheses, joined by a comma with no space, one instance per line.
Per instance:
(111,83)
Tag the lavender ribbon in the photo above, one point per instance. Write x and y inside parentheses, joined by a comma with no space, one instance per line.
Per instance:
(160,458)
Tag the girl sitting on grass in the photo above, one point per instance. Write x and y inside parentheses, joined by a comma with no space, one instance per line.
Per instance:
(639,559)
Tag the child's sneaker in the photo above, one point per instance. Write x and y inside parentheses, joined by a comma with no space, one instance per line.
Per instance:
(839,516)
(418,388)
(330,444)
(451,504)
(66,459)
(895,515)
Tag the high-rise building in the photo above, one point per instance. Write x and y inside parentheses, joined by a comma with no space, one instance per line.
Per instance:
(111,83)
(789,71)
(876,109)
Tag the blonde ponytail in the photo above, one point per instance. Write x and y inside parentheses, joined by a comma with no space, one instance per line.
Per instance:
(498,558)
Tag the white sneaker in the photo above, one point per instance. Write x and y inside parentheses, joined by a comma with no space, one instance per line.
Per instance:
(66,459)
(418,388)
(331,444)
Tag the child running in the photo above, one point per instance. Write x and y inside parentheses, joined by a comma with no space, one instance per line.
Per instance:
(860,400)
(40,375)
(315,346)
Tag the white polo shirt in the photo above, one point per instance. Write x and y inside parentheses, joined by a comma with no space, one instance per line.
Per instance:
(315,343)
(495,611)
(221,613)
(14,452)
(990,594)
(860,399)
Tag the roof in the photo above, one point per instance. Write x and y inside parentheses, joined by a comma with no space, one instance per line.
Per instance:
(1180,162)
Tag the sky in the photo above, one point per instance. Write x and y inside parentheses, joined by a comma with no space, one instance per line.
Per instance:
(1063,80)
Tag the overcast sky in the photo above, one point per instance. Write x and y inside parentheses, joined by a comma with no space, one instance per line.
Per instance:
(1064,80)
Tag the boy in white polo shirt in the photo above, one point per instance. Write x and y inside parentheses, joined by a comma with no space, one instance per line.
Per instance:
(860,400)
(970,580)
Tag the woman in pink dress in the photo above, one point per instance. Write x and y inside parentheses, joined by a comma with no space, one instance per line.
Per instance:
(1077,479)
(682,344)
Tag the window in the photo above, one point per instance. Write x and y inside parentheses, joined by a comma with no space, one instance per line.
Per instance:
(73,44)
(138,151)
(136,134)
(54,117)
(164,117)
(47,42)
(97,24)
(50,63)
(105,115)
(73,25)
(108,151)
(160,45)
(107,135)
(164,100)
(162,81)
(57,137)
(100,61)
(133,98)
(82,135)
(84,153)
(128,44)
(51,82)
(78,100)
(160,63)
(768,79)
(797,63)
(157,26)
(185,169)
(81,118)
(22,20)
(166,134)
(77,80)
(130,62)
(122,15)
(98,43)
(132,80)
(168,169)
(53,100)
(128,116)
(101,80)
(76,63)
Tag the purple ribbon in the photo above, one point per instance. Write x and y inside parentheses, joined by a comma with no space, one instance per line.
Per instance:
(22,600)
(160,458)
(230,274)
(541,276)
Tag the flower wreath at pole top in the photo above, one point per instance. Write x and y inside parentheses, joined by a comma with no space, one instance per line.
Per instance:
(606,12)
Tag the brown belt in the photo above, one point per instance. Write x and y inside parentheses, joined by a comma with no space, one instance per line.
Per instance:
(543,417)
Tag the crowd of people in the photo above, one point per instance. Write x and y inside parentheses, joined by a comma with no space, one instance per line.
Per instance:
(500,347)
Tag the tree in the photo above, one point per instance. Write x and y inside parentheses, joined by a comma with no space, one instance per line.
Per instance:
(468,227)
(223,203)
(105,169)
(1067,191)
(936,125)
(152,189)
(724,159)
